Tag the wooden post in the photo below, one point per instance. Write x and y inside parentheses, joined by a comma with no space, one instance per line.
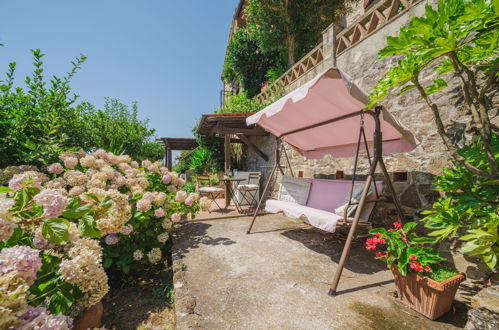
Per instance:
(351,233)
(169,158)
(227,165)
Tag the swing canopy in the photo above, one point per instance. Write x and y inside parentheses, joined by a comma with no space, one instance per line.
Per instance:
(322,117)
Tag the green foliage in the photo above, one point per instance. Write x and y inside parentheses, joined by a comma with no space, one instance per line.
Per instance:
(290,28)
(41,121)
(215,145)
(441,273)
(117,129)
(49,287)
(466,29)
(274,73)
(405,250)
(240,103)
(470,208)
(458,37)
(246,62)
(202,161)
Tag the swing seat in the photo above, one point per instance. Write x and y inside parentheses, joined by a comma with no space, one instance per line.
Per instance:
(323,198)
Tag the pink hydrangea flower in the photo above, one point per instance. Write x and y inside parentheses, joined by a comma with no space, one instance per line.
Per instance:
(76,191)
(180,182)
(166,179)
(21,259)
(149,196)
(111,239)
(144,205)
(55,168)
(52,201)
(70,162)
(189,200)
(180,196)
(159,213)
(176,217)
(126,230)
(18,181)
(40,318)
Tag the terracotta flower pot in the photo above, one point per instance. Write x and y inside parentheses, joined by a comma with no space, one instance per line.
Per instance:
(90,318)
(426,296)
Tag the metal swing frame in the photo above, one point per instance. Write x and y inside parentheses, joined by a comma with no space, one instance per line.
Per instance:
(376,161)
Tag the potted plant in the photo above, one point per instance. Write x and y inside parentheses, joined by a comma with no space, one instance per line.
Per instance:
(423,282)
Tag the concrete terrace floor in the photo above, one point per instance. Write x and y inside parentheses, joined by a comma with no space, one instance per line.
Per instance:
(278,278)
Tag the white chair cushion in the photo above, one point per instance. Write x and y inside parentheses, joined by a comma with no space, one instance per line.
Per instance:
(247,187)
(210,190)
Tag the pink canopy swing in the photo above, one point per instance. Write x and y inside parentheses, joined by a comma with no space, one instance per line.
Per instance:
(318,119)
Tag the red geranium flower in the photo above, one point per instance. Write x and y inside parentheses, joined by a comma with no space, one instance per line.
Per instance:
(397,225)
(377,234)
(427,268)
(390,230)
(379,255)
(412,256)
(416,266)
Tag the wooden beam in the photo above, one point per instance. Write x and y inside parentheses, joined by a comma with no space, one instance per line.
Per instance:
(253,147)
(245,131)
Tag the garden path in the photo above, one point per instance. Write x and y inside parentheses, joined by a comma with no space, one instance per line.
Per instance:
(278,278)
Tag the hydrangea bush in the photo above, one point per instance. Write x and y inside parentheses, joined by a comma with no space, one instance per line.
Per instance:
(58,231)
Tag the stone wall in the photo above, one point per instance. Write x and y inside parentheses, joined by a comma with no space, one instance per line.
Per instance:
(421,164)
(360,62)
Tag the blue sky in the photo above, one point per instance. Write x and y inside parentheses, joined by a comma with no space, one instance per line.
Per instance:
(166,55)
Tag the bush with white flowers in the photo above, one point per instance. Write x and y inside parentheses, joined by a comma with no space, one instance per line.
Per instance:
(60,230)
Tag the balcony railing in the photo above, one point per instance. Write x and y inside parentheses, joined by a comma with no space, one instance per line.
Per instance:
(308,62)
(374,19)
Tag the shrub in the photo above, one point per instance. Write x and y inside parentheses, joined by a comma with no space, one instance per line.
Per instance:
(470,209)
(39,122)
(52,228)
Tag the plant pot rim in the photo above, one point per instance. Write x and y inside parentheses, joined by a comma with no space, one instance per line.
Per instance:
(439,286)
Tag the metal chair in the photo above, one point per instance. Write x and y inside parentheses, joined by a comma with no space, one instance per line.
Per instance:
(204,188)
(250,192)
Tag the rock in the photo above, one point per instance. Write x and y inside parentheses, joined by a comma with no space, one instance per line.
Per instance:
(485,312)
(90,318)
(186,305)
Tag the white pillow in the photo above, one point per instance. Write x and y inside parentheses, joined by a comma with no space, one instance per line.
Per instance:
(294,190)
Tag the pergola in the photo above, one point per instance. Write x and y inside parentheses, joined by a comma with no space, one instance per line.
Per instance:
(176,144)
(228,125)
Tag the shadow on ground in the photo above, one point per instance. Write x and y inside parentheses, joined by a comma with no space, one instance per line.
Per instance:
(194,234)
(359,261)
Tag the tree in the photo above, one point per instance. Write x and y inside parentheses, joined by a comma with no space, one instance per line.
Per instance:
(38,123)
(41,121)
(290,27)
(117,129)
(246,62)
(457,39)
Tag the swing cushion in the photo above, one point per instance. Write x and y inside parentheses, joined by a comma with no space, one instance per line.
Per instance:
(324,197)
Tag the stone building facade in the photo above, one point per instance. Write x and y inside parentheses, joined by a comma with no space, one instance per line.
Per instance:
(414,170)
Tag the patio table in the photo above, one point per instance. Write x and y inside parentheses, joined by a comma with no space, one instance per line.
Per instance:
(230,186)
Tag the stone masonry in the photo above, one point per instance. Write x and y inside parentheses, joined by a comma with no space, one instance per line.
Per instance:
(421,164)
